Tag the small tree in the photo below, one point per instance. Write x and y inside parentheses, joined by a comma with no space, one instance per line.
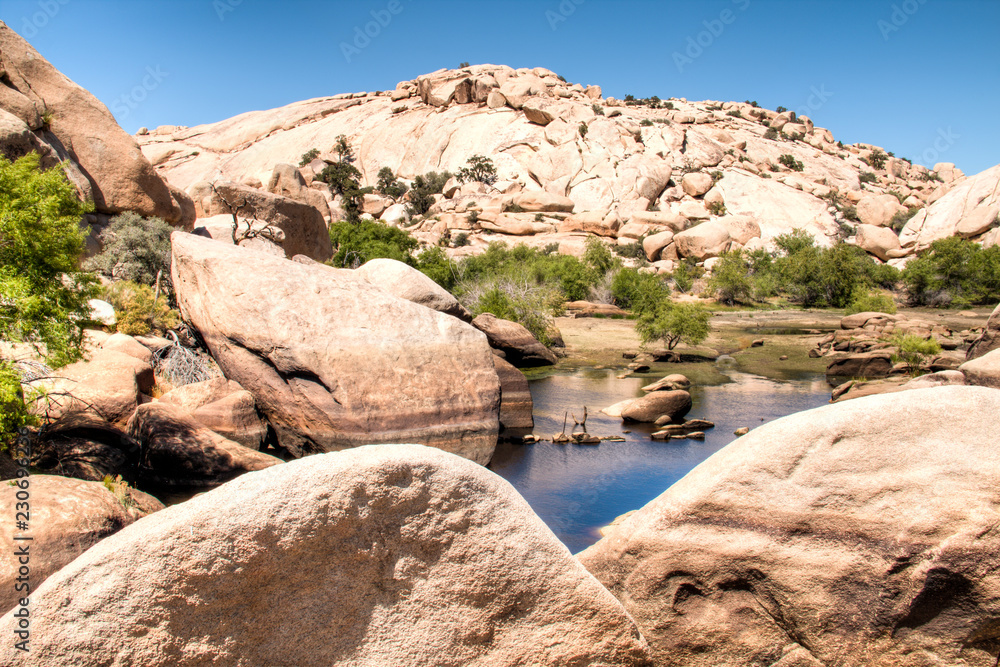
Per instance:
(343,149)
(343,178)
(421,196)
(877,159)
(309,156)
(673,324)
(479,168)
(389,185)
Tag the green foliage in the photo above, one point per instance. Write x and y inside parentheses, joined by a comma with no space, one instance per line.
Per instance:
(120,489)
(781,109)
(790,162)
(954,272)
(638,292)
(136,310)
(478,168)
(344,180)
(309,156)
(868,177)
(434,264)
(730,281)
(631,251)
(900,219)
(865,301)
(877,159)
(421,196)
(674,323)
(771,134)
(735,114)
(915,350)
(389,185)
(583,129)
(598,256)
(136,249)
(646,123)
(850,213)
(343,149)
(716,208)
(598,109)
(355,243)
(13,411)
(43,298)
(463,65)
(684,275)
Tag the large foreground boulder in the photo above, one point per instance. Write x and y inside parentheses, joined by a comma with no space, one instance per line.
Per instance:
(72,124)
(67,517)
(861,533)
(333,361)
(395,555)
(983,371)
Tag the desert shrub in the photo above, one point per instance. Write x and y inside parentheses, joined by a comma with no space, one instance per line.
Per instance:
(790,162)
(516,298)
(954,272)
(646,123)
(716,208)
(136,249)
(731,282)
(734,114)
(139,310)
(915,350)
(781,109)
(866,301)
(478,168)
(344,180)
(14,413)
(434,264)
(343,149)
(771,134)
(309,156)
(900,219)
(684,275)
(631,251)
(43,297)
(850,213)
(583,129)
(355,243)
(637,291)
(877,159)
(598,109)
(867,177)
(673,324)
(389,185)
(598,256)
(421,196)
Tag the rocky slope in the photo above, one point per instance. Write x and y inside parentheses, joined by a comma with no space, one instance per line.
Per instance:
(591,165)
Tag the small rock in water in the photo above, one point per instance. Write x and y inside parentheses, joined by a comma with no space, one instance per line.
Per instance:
(741,431)
(698,424)
(560,439)
(529,439)
(586,439)
(696,435)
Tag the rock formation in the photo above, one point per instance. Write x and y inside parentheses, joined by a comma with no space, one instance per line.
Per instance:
(333,361)
(854,534)
(42,110)
(394,555)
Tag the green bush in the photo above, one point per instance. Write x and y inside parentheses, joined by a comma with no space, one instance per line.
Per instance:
(790,162)
(516,298)
(43,298)
(344,180)
(915,350)
(731,282)
(136,249)
(954,272)
(478,168)
(868,177)
(900,219)
(139,310)
(355,243)
(646,123)
(434,264)
(421,196)
(716,208)
(13,411)
(389,185)
(674,323)
(828,276)
(864,301)
(583,129)
(309,156)
(684,275)
(638,292)
(771,134)
(877,159)
(598,109)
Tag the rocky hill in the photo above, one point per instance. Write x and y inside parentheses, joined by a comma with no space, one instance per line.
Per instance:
(591,165)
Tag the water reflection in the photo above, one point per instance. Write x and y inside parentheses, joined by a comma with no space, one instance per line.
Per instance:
(576,489)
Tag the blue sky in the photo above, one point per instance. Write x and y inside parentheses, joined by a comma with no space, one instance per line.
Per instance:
(919,77)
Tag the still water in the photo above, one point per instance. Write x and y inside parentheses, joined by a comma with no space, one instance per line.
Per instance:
(576,489)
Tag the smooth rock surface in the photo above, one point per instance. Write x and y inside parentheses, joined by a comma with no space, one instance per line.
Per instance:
(520,347)
(407,283)
(399,555)
(860,533)
(334,362)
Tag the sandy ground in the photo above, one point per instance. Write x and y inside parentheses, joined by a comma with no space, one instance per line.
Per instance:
(597,342)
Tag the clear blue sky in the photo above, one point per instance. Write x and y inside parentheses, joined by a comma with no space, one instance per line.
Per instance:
(904,74)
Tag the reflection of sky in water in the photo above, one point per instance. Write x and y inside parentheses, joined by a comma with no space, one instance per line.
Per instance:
(578,488)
